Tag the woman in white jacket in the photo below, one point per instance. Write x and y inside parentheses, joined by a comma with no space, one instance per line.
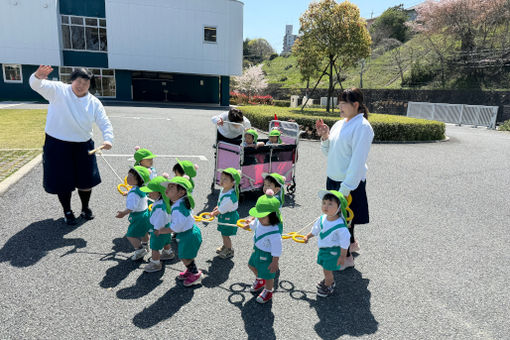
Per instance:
(347,145)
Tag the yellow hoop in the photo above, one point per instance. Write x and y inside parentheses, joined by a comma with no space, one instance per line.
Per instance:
(298,238)
(124,185)
(350,214)
(206,219)
(241,223)
(150,206)
(349,200)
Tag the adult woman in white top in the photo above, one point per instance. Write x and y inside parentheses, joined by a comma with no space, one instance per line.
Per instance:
(71,114)
(347,146)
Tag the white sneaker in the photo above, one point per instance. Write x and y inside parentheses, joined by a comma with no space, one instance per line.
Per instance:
(349,262)
(355,248)
(139,254)
(152,267)
(146,246)
(167,255)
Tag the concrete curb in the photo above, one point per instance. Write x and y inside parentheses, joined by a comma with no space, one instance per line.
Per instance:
(15,177)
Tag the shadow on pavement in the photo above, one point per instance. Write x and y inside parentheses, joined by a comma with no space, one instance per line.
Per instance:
(31,244)
(218,272)
(114,275)
(165,307)
(346,312)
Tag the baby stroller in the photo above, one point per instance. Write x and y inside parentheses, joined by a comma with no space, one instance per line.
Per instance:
(253,162)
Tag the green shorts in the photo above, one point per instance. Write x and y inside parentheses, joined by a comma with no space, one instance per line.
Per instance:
(139,224)
(230,218)
(159,242)
(261,260)
(189,243)
(328,258)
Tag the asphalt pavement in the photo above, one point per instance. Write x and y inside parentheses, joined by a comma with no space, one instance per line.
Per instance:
(434,260)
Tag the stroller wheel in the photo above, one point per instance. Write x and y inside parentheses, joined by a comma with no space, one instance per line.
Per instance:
(291,188)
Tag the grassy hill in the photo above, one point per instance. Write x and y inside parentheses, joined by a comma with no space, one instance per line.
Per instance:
(382,69)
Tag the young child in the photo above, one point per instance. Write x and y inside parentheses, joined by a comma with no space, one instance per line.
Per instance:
(275,182)
(145,158)
(274,137)
(136,207)
(159,218)
(334,238)
(250,139)
(231,133)
(226,210)
(267,247)
(182,168)
(182,222)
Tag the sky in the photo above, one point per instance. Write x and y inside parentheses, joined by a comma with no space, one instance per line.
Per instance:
(267,18)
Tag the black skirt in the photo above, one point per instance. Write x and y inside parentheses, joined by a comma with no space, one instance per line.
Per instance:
(359,204)
(67,165)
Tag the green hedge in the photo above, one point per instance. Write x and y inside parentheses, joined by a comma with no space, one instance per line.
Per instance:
(281,103)
(505,126)
(387,128)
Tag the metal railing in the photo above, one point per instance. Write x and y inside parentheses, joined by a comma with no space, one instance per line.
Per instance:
(476,115)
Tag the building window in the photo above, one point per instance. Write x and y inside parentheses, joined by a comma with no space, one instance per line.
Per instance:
(103,83)
(210,34)
(84,33)
(12,73)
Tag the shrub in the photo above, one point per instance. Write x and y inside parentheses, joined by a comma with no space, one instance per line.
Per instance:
(386,127)
(261,100)
(281,103)
(505,126)
(237,98)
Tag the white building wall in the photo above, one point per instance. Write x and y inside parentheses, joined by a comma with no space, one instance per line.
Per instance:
(167,35)
(29,32)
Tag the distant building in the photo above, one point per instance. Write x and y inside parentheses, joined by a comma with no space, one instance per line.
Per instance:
(150,50)
(288,39)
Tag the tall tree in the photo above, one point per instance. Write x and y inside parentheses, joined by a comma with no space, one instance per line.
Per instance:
(338,34)
(257,50)
(391,24)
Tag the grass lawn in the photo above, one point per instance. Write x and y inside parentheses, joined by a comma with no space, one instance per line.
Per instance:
(21,138)
(22,129)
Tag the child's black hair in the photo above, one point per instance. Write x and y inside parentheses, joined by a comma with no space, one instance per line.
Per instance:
(273,218)
(81,72)
(139,180)
(274,181)
(178,169)
(235,116)
(331,197)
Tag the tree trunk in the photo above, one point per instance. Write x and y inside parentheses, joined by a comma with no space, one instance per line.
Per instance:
(316,84)
(330,90)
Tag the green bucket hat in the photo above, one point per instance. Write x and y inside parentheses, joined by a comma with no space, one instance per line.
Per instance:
(275,133)
(142,154)
(236,175)
(266,204)
(280,179)
(189,169)
(254,134)
(340,196)
(143,172)
(156,185)
(184,183)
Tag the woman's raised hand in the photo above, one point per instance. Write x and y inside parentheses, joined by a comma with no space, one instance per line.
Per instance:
(322,129)
(43,71)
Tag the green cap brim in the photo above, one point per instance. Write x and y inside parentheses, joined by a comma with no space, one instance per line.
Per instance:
(253,212)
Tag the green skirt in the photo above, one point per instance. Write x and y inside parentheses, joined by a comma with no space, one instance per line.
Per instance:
(139,224)
(189,243)
(261,260)
(328,258)
(230,218)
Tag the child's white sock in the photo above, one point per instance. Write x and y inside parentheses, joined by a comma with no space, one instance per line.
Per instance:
(155,261)
(167,251)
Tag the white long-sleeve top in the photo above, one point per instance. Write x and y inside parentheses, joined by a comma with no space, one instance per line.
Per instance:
(159,217)
(226,203)
(271,243)
(230,130)
(338,238)
(70,118)
(347,150)
(136,200)
(181,218)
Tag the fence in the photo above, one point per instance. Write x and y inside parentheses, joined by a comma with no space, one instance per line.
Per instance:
(475,115)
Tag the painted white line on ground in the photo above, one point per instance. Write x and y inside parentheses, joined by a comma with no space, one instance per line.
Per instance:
(200,157)
(152,118)
(3,106)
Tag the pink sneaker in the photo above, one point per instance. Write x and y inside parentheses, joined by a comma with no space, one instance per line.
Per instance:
(183,275)
(257,285)
(265,296)
(193,279)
